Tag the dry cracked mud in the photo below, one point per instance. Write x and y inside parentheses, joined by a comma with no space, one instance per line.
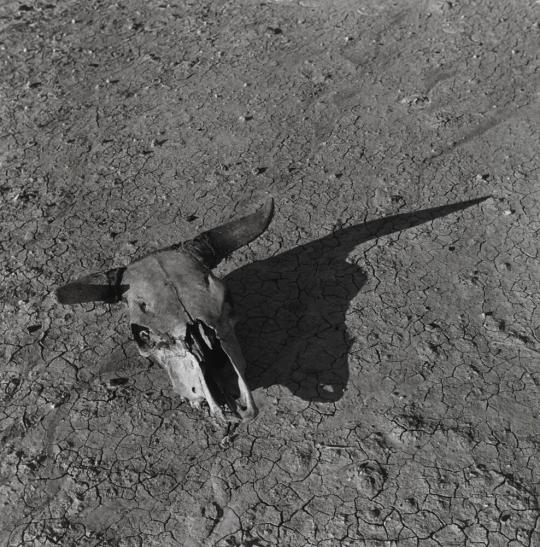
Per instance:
(392,331)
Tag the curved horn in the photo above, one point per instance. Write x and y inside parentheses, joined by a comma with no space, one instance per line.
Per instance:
(214,245)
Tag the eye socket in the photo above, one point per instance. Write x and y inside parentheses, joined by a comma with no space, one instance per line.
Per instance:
(141,335)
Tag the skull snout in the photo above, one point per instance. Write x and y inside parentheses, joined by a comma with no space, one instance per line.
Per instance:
(200,369)
(223,371)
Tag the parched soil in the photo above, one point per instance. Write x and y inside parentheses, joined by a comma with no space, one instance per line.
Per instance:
(391,326)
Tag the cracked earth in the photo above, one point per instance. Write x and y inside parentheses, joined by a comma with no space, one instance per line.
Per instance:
(391,329)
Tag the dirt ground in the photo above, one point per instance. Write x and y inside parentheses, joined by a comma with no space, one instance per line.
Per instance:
(393,342)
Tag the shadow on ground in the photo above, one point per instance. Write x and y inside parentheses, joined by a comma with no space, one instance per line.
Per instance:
(294,305)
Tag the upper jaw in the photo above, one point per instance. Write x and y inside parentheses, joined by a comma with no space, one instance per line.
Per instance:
(240,409)
(195,380)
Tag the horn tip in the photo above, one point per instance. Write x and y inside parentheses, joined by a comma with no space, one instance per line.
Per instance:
(268,210)
(61,295)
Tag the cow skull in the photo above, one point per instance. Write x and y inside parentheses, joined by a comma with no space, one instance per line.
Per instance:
(181,314)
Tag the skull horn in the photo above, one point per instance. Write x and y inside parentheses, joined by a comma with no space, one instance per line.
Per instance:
(103,286)
(214,245)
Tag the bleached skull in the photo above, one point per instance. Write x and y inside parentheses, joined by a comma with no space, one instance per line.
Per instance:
(181,314)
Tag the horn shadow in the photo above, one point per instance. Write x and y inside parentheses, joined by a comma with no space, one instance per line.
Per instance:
(293,307)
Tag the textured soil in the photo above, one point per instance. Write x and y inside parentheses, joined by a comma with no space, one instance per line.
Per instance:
(392,330)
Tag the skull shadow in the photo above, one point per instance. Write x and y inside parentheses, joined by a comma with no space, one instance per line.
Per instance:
(293,307)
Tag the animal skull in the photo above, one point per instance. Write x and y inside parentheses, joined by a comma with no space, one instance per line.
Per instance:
(181,314)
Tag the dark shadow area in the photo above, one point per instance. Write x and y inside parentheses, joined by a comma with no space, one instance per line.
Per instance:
(293,307)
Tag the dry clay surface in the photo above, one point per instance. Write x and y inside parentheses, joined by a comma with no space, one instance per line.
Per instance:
(393,343)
